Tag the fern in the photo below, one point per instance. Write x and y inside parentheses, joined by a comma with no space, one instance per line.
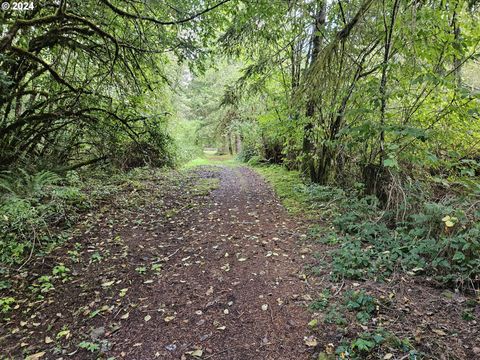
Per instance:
(7,182)
(23,184)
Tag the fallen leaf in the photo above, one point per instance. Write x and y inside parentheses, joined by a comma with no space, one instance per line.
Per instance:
(125,316)
(195,353)
(310,341)
(63,333)
(226,267)
(108,283)
(35,356)
(169,318)
(48,340)
(439,332)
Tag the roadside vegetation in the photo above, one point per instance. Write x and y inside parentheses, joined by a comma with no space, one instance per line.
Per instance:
(438,239)
(362,258)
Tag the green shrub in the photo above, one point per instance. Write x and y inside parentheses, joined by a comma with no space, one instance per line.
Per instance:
(322,302)
(425,242)
(255,160)
(6,304)
(23,184)
(370,345)
(30,206)
(362,303)
(248,154)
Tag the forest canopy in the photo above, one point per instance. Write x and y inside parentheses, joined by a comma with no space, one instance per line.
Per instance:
(84,81)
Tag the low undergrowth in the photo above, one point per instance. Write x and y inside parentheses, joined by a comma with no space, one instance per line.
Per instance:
(289,187)
(436,238)
(30,206)
(38,210)
(361,310)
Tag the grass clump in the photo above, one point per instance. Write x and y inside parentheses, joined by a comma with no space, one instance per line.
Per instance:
(289,187)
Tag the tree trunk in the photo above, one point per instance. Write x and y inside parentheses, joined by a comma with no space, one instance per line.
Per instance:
(308,147)
(229,142)
(239,143)
(457,61)
(383,82)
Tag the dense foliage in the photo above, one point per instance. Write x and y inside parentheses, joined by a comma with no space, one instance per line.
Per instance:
(377,98)
(363,89)
(84,81)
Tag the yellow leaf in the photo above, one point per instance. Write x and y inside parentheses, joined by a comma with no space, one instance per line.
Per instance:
(195,353)
(310,341)
(63,333)
(35,356)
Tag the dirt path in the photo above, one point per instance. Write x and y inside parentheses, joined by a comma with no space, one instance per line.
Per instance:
(182,275)
(229,282)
